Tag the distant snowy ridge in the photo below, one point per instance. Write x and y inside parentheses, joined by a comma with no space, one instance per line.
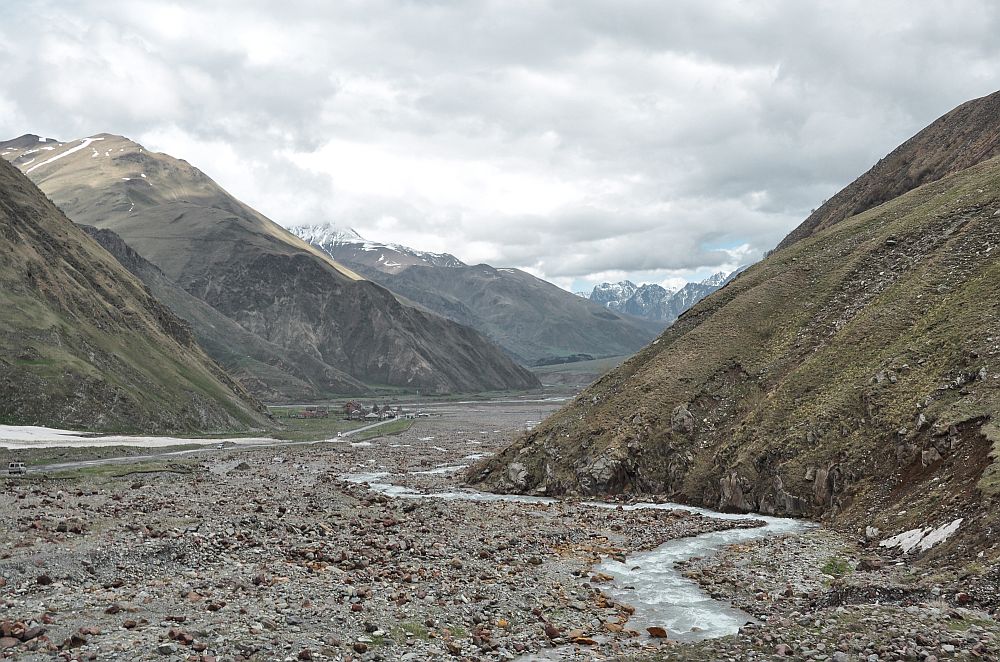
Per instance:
(654,302)
(335,241)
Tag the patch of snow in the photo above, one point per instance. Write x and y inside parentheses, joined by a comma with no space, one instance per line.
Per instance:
(923,539)
(27,162)
(716,279)
(31,436)
(83,145)
(426,439)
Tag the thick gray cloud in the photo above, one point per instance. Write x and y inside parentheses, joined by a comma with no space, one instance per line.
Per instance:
(582,140)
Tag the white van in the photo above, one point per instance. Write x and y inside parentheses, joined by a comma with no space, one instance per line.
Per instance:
(16,468)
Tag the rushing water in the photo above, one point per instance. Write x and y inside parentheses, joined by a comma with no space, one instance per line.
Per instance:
(663,597)
(648,581)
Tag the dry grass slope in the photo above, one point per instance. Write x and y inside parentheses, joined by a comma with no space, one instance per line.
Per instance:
(855,374)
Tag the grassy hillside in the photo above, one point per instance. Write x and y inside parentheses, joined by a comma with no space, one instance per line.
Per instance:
(855,373)
(86,345)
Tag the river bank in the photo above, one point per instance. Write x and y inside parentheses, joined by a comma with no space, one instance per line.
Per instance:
(323,552)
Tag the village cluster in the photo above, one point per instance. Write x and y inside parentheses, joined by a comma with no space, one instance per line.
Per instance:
(354,410)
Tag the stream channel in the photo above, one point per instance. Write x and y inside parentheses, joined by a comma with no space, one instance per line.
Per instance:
(648,581)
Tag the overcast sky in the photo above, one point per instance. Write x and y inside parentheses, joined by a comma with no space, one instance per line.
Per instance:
(581,140)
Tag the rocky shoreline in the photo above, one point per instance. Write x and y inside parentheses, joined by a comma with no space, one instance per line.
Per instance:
(287,554)
(823,596)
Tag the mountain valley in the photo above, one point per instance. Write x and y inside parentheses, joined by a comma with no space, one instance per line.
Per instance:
(535,321)
(334,330)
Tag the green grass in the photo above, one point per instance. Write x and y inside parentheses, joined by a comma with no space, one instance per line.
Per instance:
(410,630)
(596,366)
(108,471)
(836,567)
(396,427)
(310,429)
(989,483)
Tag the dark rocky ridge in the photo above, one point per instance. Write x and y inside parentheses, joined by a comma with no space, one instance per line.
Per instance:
(267,370)
(85,344)
(961,138)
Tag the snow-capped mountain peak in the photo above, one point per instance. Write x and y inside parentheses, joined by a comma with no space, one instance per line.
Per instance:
(326,234)
(716,279)
(348,245)
(653,301)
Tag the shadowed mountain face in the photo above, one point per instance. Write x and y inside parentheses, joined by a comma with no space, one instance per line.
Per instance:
(271,372)
(953,142)
(533,320)
(86,345)
(854,374)
(330,325)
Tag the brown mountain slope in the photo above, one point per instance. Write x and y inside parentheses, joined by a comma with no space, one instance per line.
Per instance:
(273,284)
(855,373)
(961,138)
(85,344)
(268,371)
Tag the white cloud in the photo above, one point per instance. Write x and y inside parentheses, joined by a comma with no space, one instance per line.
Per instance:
(651,140)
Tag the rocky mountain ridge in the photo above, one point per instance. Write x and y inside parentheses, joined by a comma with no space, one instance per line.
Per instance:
(277,287)
(350,246)
(951,143)
(86,345)
(655,302)
(535,321)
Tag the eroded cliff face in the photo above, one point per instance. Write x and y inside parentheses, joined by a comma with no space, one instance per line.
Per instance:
(269,372)
(855,369)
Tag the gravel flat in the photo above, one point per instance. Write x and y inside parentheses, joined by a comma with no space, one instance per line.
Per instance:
(300,552)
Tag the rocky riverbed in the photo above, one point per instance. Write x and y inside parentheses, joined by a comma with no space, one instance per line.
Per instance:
(300,552)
